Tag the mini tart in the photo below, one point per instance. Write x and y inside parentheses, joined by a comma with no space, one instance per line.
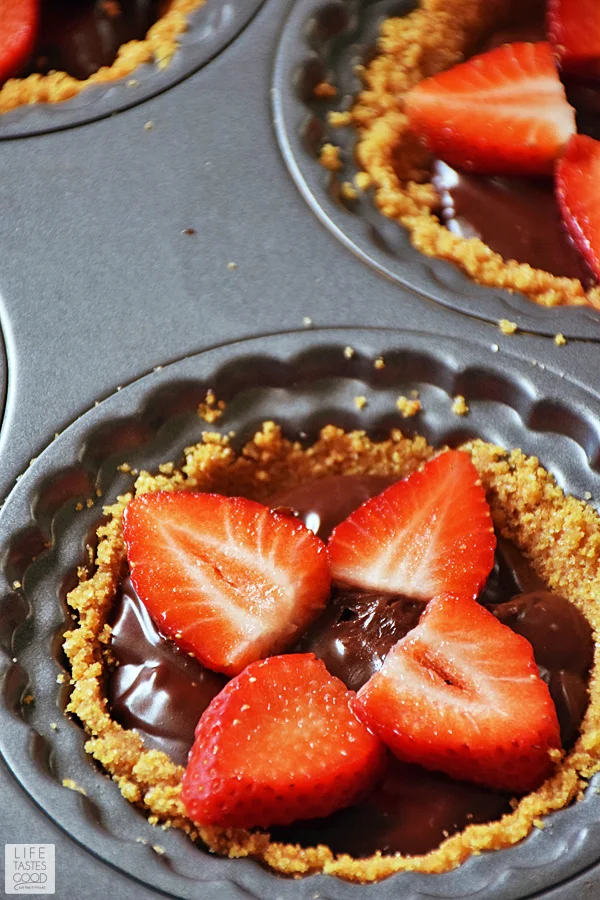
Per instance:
(559,535)
(434,37)
(159,46)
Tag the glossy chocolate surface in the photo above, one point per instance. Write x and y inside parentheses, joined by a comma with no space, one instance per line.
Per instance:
(155,688)
(325,503)
(564,650)
(81,36)
(357,631)
(162,692)
(519,218)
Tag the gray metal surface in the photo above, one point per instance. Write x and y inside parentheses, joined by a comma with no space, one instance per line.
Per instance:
(99,284)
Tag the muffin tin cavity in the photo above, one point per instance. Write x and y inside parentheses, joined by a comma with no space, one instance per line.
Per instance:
(324,41)
(302,381)
(210,29)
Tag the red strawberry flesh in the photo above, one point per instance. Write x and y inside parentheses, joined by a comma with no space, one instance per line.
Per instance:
(18,31)
(574,32)
(461,694)
(425,535)
(501,113)
(578,192)
(226,578)
(279,743)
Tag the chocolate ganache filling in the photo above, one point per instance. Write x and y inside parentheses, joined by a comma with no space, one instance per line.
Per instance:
(161,691)
(519,217)
(82,36)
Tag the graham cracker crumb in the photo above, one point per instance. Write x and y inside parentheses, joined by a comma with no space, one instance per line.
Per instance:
(407,407)
(459,406)
(211,410)
(339,119)
(158,849)
(560,340)
(79,506)
(507,327)
(323,90)
(73,786)
(363,181)
(124,467)
(61,678)
(329,157)
(360,402)
(16,585)
(379,363)
(28,699)
(348,191)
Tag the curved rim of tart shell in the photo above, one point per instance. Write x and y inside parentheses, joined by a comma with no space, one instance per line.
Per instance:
(559,534)
(159,45)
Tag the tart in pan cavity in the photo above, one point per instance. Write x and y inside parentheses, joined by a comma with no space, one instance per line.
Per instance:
(556,539)
(66,46)
(505,230)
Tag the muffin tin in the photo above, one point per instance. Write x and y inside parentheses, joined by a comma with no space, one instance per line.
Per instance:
(303,384)
(116,290)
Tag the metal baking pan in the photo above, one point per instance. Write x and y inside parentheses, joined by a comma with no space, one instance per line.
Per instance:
(100,284)
(303,381)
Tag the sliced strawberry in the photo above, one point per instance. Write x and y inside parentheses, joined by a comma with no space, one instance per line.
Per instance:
(574,32)
(578,191)
(279,743)
(19,21)
(504,112)
(423,536)
(462,694)
(228,579)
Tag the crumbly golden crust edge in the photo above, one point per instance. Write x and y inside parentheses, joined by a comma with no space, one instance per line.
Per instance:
(560,535)
(159,46)
(434,37)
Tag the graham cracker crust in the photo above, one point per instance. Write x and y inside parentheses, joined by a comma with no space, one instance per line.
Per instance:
(559,534)
(158,46)
(437,35)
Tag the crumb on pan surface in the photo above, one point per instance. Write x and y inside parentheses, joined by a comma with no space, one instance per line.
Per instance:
(158,46)
(434,37)
(560,535)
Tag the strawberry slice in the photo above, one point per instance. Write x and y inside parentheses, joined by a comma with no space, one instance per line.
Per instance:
(423,536)
(461,693)
(574,32)
(578,191)
(504,112)
(279,743)
(228,579)
(19,21)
